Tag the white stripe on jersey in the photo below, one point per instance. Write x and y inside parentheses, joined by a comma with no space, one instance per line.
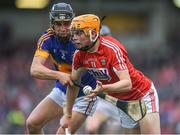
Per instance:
(76,51)
(117,55)
(114,45)
(117,51)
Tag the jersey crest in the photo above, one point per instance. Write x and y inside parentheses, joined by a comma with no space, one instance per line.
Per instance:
(103,62)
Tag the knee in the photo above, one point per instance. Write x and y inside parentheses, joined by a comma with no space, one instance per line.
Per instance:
(32,125)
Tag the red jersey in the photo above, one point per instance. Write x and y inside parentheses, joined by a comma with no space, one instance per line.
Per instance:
(111,57)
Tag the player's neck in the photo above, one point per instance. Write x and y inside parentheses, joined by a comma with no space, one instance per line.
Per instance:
(94,48)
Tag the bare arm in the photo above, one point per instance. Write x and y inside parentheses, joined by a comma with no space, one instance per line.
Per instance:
(38,70)
(123,85)
(72,91)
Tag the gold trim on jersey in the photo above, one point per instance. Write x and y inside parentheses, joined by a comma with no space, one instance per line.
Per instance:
(42,53)
(39,50)
(44,37)
(63,67)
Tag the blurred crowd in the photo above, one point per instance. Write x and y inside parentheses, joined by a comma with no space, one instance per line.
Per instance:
(19,92)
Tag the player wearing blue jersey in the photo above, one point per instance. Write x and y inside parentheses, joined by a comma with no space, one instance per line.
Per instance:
(56,43)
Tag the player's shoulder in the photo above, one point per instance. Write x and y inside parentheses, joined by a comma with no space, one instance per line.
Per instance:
(109,40)
(79,54)
(49,33)
(111,43)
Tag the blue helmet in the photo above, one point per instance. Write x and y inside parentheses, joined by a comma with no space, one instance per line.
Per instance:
(61,12)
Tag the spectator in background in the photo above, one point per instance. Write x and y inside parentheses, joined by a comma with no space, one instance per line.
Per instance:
(106,114)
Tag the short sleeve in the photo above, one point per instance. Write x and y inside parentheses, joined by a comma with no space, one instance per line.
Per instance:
(76,60)
(118,59)
(43,46)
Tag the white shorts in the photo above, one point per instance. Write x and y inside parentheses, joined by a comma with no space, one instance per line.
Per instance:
(108,109)
(152,105)
(85,107)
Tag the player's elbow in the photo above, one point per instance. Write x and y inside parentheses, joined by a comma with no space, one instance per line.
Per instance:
(33,71)
(129,85)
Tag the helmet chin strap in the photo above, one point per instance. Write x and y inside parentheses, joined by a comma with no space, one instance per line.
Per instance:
(90,36)
(93,42)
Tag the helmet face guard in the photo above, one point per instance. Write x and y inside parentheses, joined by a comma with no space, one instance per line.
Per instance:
(87,23)
(61,12)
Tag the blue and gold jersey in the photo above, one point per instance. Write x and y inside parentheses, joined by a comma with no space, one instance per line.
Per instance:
(61,54)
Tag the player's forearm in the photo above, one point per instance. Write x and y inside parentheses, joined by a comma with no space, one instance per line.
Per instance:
(72,93)
(42,72)
(120,86)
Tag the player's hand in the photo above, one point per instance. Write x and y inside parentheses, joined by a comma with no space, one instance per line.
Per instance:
(93,93)
(99,88)
(65,78)
(66,122)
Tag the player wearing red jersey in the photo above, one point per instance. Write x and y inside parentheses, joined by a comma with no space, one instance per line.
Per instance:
(107,60)
(106,114)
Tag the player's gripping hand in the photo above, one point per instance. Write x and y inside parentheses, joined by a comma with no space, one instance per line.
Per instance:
(65,78)
(66,122)
(92,93)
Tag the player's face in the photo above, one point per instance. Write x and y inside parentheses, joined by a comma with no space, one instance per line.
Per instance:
(80,38)
(62,28)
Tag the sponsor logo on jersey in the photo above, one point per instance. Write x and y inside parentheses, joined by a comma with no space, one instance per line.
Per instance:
(99,73)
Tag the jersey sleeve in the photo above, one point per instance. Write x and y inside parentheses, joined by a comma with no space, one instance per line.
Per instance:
(43,46)
(76,60)
(118,59)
